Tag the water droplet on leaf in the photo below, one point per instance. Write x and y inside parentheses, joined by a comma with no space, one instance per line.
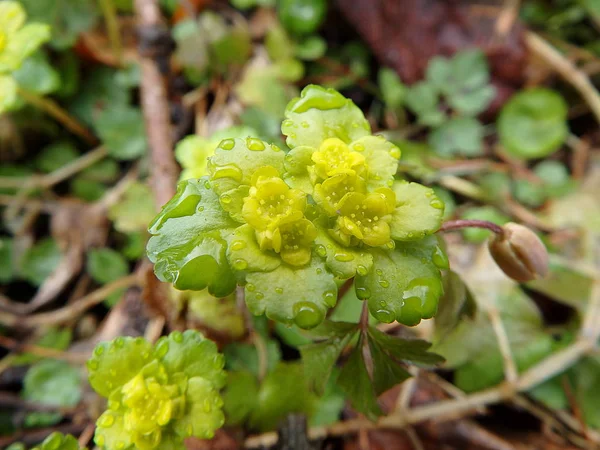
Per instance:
(307,315)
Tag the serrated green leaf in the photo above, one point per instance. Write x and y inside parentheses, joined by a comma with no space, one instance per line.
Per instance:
(36,74)
(418,212)
(243,251)
(106,265)
(392,88)
(533,123)
(343,262)
(39,261)
(319,358)
(283,391)
(292,295)
(134,211)
(114,363)
(387,372)
(319,114)
(423,99)
(239,397)
(415,351)
(458,136)
(58,441)
(122,132)
(356,384)
(52,383)
(404,284)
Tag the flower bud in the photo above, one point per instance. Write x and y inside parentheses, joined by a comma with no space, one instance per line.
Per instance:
(519,253)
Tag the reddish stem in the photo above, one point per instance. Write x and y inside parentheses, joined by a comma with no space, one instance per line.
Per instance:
(459,224)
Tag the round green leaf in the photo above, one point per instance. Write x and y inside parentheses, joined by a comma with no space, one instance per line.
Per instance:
(533,124)
(302,16)
(53,383)
(40,261)
(418,212)
(105,265)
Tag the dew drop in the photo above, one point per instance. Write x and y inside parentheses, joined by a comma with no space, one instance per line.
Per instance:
(106,420)
(238,245)
(177,336)
(359,147)
(92,364)
(321,250)
(384,315)
(207,184)
(379,272)
(275,148)
(363,293)
(329,298)
(119,342)
(344,257)
(250,287)
(319,271)
(383,304)
(395,153)
(391,245)
(259,295)
(304,124)
(384,283)
(287,123)
(307,315)
(99,350)
(228,171)
(361,270)
(439,258)
(436,203)
(200,208)
(279,290)
(227,144)
(225,199)
(162,348)
(240,264)
(255,144)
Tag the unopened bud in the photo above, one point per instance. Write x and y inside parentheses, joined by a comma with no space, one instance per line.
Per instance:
(519,253)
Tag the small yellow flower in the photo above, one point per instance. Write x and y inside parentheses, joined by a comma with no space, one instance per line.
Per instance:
(365,218)
(330,192)
(293,241)
(334,157)
(271,203)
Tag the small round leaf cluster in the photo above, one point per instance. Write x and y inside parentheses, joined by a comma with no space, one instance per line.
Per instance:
(291,224)
(55,441)
(157,395)
(17,42)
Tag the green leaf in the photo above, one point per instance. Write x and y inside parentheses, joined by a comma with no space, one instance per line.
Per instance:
(330,405)
(300,17)
(464,80)
(185,249)
(40,261)
(264,87)
(458,136)
(292,295)
(52,383)
(343,262)
(7,268)
(404,284)
(87,190)
(392,89)
(387,372)
(244,253)
(116,362)
(239,397)
(456,304)
(556,178)
(319,358)
(244,357)
(192,354)
(533,124)
(8,93)
(415,351)
(321,113)
(67,18)
(37,75)
(381,158)
(122,132)
(55,156)
(423,100)
(135,210)
(489,213)
(282,392)
(418,212)
(311,48)
(106,265)
(354,380)
(585,380)
(58,441)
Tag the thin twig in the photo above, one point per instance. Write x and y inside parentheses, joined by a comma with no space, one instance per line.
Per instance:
(510,368)
(53,109)
(44,352)
(464,223)
(566,69)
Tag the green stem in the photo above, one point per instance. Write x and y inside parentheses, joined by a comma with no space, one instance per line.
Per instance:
(53,109)
(112,27)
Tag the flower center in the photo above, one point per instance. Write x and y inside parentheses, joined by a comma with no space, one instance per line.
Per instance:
(334,157)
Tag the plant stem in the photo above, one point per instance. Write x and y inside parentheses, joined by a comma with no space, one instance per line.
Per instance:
(53,109)
(112,27)
(462,223)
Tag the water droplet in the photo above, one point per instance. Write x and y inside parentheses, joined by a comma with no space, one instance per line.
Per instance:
(425,293)
(99,439)
(207,184)
(119,342)
(177,336)
(395,153)
(275,148)
(255,144)
(106,420)
(391,245)
(307,315)
(228,171)
(240,264)
(99,350)
(200,208)
(279,290)
(227,144)
(359,147)
(287,123)
(384,283)
(92,364)
(238,245)
(225,199)
(259,296)
(361,270)
(330,298)
(436,203)
(304,124)
(344,257)
(162,347)
(440,259)
(250,287)
(321,251)
(319,271)
(379,272)
(363,293)
(385,316)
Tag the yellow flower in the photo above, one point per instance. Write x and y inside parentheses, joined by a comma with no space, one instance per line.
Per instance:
(293,241)
(271,203)
(334,157)
(330,192)
(365,218)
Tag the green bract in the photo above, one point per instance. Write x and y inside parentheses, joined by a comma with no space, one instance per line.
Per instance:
(17,42)
(157,395)
(58,441)
(288,224)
